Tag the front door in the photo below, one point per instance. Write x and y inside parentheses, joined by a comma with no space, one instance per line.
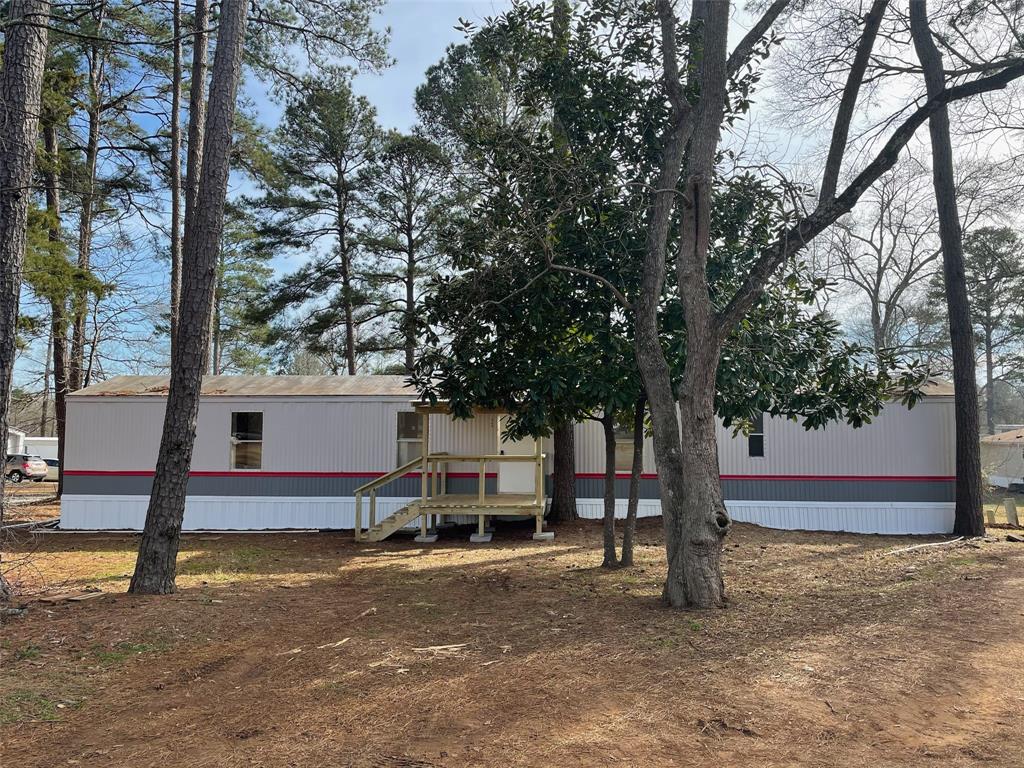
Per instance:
(516,476)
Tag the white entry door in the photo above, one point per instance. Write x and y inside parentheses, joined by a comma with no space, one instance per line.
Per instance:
(516,476)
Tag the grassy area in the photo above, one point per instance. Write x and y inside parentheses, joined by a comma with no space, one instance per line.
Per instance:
(995,506)
(286,649)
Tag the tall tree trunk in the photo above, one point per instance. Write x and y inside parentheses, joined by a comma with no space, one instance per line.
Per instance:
(990,382)
(346,285)
(968,520)
(58,303)
(694,568)
(350,324)
(175,163)
(218,296)
(155,567)
(410,293)
(196,107)
(80,299)
(611,559)
(635,472)
(21,82)
(59,324)
(693,511)
(563,475)
(44,409)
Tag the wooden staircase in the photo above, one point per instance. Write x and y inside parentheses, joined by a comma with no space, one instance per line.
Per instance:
(435,503)
(389,525)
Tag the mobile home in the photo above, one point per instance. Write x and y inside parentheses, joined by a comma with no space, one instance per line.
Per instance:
(289,452)
(43,447)
(15,441)
(1002,458)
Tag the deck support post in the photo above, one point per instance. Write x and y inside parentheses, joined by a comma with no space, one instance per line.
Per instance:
(539,481)
(359,517)
(425,468)
(539,534)
(373,508)
(481,536)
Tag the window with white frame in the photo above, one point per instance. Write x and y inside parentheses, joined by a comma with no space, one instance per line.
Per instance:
(755,440)
(410,436)
(246,439)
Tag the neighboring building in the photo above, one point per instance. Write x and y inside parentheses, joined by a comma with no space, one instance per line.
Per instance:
(1002,458)
(15,441)
(289,452)
(43,447)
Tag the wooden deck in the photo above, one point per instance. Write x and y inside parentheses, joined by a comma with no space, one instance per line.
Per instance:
(435,503)
(470,503)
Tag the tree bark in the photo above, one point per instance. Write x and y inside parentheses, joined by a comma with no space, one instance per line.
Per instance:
(635,473)
(346,276)
(611,559)
(44,410)
(94,110)
(21,81)
(58,304)
(218,295)
(968,520)
(563,475)
(196,107)
(155,567)
(175,163)
(59,321)
(990,381)
(410,288)
(693,511)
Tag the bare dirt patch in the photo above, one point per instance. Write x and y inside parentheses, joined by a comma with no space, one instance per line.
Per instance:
(309,650)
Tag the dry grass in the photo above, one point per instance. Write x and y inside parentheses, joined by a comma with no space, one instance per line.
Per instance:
(308,650)
(994,499)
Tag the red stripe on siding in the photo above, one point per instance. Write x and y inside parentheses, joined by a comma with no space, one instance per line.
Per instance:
(579,475)
(851,478)
(253,473)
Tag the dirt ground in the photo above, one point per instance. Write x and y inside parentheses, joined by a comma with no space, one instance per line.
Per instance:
(308,650)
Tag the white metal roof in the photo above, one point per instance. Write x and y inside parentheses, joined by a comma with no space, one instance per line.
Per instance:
(257,386)
(1013,437)
(308,386)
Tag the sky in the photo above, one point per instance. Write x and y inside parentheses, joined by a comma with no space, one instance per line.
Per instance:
(421,30)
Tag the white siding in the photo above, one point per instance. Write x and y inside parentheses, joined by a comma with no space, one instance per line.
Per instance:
(901,442)
(874,517)
(227,513)
(299,434)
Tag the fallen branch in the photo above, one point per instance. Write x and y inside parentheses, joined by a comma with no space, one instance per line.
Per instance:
(929,544)
(438,648)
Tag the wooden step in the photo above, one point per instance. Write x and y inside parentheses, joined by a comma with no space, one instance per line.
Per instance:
(394,522)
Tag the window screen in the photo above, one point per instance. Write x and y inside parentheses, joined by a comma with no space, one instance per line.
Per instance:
(755,440)
(410,437)
(246,440)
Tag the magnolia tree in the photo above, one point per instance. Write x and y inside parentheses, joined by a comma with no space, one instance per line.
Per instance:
(556,313)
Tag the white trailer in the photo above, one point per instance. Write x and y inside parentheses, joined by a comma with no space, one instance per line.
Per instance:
(278,452)
(43,447)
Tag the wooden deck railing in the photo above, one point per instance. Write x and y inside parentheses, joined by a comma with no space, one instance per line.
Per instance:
(433,469)
(371,488)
